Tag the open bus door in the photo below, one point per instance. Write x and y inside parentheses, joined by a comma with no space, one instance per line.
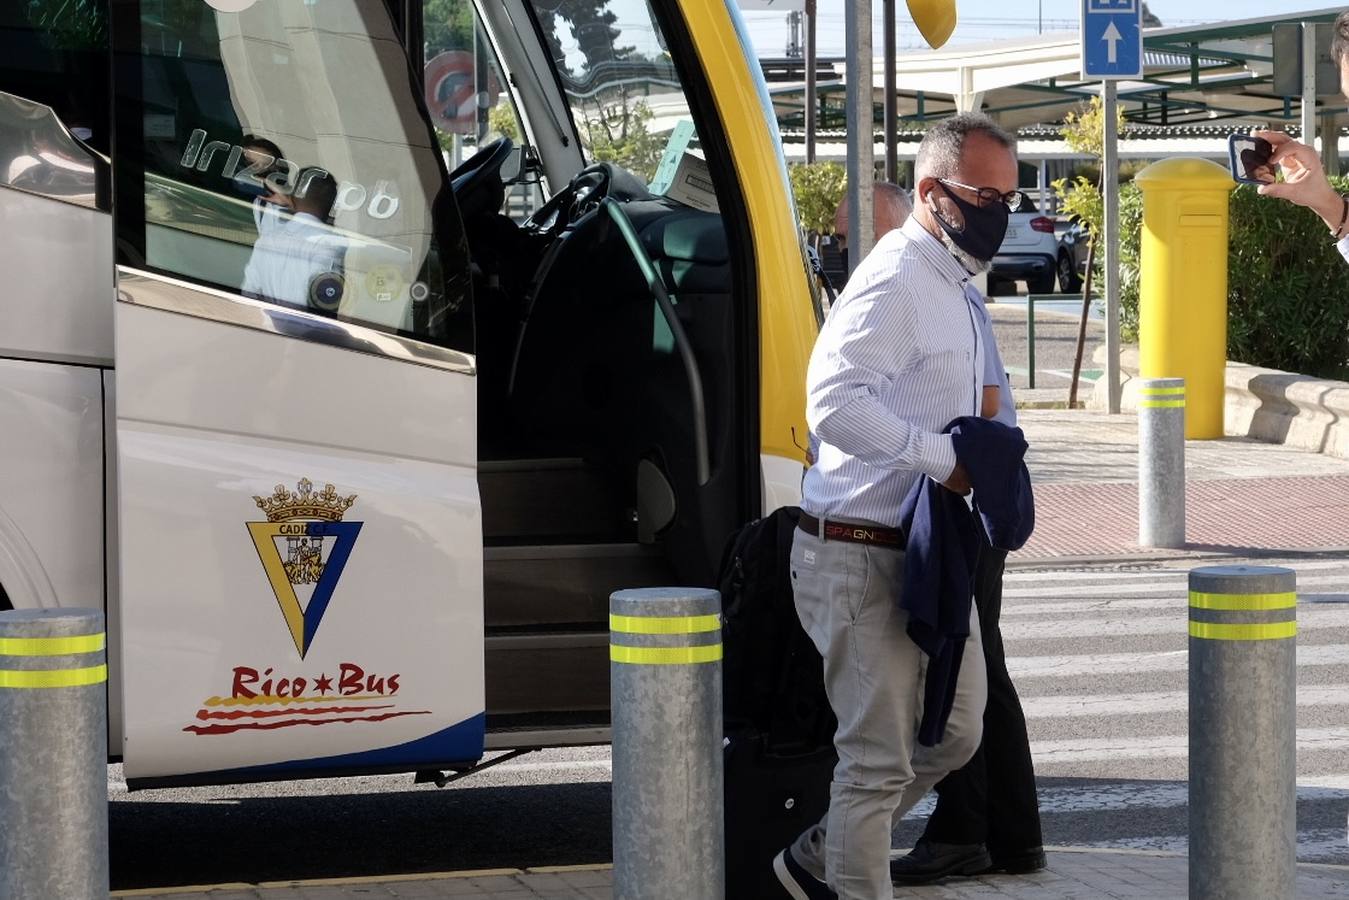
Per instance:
(299,523)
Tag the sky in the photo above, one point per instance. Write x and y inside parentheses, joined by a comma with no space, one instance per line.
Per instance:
(988,20)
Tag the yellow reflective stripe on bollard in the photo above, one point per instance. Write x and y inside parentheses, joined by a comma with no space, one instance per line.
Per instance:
(1242,602)
(664,624)
(53,678)
(664,656)
(1228,631)
(53,646)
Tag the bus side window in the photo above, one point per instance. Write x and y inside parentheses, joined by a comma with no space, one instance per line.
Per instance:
(56,53)
(279,153)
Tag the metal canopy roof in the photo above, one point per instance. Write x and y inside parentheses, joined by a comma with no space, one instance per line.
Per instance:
(1192,75)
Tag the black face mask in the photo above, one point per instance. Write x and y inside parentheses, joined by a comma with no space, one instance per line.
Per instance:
(985,227)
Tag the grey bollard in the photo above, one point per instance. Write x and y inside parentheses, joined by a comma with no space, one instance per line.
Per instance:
(1161,463)
(1243,733)
(53,755)
(665,684)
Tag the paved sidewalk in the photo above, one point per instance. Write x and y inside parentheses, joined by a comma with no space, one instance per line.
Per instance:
(1073,874)
(1242,495)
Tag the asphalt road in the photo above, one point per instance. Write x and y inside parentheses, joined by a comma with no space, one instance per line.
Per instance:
(1056,328)
(1098,654)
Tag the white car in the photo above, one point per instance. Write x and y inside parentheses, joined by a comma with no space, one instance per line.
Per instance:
(1028,253)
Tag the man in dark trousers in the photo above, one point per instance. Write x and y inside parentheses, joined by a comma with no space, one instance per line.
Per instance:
(988,815)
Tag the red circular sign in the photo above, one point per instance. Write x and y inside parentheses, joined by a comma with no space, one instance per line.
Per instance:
(450,92)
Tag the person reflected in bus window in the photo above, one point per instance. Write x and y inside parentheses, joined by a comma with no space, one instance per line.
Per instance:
(298,257)
(260,159)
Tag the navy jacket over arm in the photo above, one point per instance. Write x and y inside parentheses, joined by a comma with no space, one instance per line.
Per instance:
(943,547)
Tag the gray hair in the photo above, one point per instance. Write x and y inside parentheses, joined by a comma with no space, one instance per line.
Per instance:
(939,153)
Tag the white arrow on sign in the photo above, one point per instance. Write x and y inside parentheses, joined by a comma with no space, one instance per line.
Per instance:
(1112,37)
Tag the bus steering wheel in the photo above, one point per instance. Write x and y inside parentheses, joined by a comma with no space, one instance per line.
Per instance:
(477,181)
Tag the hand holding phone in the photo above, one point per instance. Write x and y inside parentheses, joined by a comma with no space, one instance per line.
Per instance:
(1250,159)
(1304,180)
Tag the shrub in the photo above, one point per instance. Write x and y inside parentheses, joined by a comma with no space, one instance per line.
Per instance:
(1287,288)
(1130,241)
(1287,285)
(819,189)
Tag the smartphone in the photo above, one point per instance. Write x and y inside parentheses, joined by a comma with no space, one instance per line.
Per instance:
(1249,158)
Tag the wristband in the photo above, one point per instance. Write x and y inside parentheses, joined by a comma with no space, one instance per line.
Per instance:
(1344,217)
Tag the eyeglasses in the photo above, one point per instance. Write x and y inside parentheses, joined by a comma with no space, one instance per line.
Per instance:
(988,196)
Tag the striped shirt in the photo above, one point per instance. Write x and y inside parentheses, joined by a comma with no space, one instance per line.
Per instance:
(899,357)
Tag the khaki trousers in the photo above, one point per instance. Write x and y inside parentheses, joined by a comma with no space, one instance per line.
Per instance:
(846,595)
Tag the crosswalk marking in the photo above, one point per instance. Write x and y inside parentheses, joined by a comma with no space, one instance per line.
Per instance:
(1017,575)
(1146,702)
(1309,618)
(1145,661)
(1108,729)
(1142,603)
(1125,795)
(1163,746)
(1175,588)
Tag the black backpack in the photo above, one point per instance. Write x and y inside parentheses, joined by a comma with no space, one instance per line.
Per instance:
(779,728)
(772,675)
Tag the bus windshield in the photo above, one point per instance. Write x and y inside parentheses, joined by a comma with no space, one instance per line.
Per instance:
(620,82)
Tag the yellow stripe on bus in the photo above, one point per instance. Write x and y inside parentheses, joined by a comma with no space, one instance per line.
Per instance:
(664,656)
(1229,631)
(53,678)
(52,646)
(1242,602)
(664,624)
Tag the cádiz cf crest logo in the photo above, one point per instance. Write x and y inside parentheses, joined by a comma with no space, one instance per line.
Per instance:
(304,545)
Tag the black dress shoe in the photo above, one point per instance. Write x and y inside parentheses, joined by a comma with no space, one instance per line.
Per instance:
(931,861)
(1019,862)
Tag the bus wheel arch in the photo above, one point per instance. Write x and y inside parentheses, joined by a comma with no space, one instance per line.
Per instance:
(24,583)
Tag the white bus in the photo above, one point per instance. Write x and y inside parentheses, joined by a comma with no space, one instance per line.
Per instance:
(351,458)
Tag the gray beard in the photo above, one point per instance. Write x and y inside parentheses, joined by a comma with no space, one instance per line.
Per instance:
(972,265)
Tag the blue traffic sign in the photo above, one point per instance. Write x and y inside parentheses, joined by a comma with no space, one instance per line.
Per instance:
(1112,38)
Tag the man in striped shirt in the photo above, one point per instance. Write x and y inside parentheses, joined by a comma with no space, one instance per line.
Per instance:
(900,356)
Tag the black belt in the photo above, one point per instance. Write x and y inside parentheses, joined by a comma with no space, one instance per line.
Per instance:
(853,533)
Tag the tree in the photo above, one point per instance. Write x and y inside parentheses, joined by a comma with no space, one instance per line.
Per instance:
(70,24)
(1084,131)
(447,25)
(619,132)
(592,26)
(501,120)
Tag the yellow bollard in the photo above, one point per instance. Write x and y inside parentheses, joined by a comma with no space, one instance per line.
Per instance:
(1182,316)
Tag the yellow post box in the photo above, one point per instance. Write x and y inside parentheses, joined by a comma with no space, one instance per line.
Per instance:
(1182,316)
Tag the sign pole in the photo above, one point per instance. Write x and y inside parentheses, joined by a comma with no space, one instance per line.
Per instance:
(861,133)
(811,100)
(1309,84)
(1112,49)
(891,111)
(1110,185)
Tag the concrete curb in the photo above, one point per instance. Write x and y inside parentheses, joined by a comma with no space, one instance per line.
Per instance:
(355,880)
(1265,404)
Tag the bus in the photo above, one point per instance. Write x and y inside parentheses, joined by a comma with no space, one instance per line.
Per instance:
(350,437)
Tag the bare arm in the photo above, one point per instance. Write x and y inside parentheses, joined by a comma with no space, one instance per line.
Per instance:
(988,406)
